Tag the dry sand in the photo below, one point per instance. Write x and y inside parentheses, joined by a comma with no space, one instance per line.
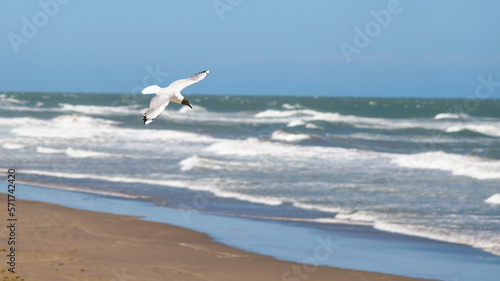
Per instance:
(59,243)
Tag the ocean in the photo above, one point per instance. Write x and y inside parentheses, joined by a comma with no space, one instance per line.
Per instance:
(421,167)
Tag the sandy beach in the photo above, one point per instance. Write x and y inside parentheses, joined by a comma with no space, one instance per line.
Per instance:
(59,243)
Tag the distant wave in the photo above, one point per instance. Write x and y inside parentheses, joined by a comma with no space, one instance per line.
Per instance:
(291,106)
(296,123)
(313,126)
(288,137)
(460,165)
(11,107)
(12,146)
(197,161)
(256,147)
(405,138)
(79,126)
(6,99)
(81,119)
(277,113)
(443,121)
(451,116)
(14,122)
(485,129)
(196,109)
(75,153)
(47,150)
(291,115)
(80,153)
(64,127)
(299,122)
(306,115)
(85,109)
(493,199)
(101,110)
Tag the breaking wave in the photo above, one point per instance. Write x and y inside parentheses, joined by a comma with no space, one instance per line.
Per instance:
(101,110)
(460,165)
(12,146)
(493,199)
(485,129)
(451,116)
(197,161)
(288,137)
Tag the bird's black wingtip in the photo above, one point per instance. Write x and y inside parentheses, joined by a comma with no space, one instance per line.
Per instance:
(203,72)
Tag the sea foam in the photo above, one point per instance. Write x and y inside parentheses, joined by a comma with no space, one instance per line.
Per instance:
(12,146)
(491,129)
(451,116)
(64,127)
(256,147)
(47,150)
(200,162)
(101,110)
(288,137)
(460,165)
(493,199)
(296,123)
(209,185)
(80,153)
(6,99)
(444,121)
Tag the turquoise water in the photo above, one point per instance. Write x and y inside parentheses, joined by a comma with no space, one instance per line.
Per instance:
(423,167)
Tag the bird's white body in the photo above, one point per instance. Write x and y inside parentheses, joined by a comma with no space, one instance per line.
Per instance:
(170,93)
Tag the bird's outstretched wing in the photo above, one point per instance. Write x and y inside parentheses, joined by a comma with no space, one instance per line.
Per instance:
(156,107)
(183,83)
(151,90)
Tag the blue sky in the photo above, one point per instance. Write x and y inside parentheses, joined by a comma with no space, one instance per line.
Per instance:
(425,49)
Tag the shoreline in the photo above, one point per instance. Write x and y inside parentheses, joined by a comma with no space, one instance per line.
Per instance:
(358,248)
(307,220)
(61,243)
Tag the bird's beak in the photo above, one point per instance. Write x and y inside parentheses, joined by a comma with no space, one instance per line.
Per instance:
(186,102)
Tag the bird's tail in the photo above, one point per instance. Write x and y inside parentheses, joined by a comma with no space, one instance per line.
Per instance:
(151,90)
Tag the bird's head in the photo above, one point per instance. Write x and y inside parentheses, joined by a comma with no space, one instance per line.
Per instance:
(186,102)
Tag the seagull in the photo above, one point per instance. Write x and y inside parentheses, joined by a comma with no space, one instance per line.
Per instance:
(170,93)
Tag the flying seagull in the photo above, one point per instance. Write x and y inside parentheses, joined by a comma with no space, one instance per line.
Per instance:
(170,93)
